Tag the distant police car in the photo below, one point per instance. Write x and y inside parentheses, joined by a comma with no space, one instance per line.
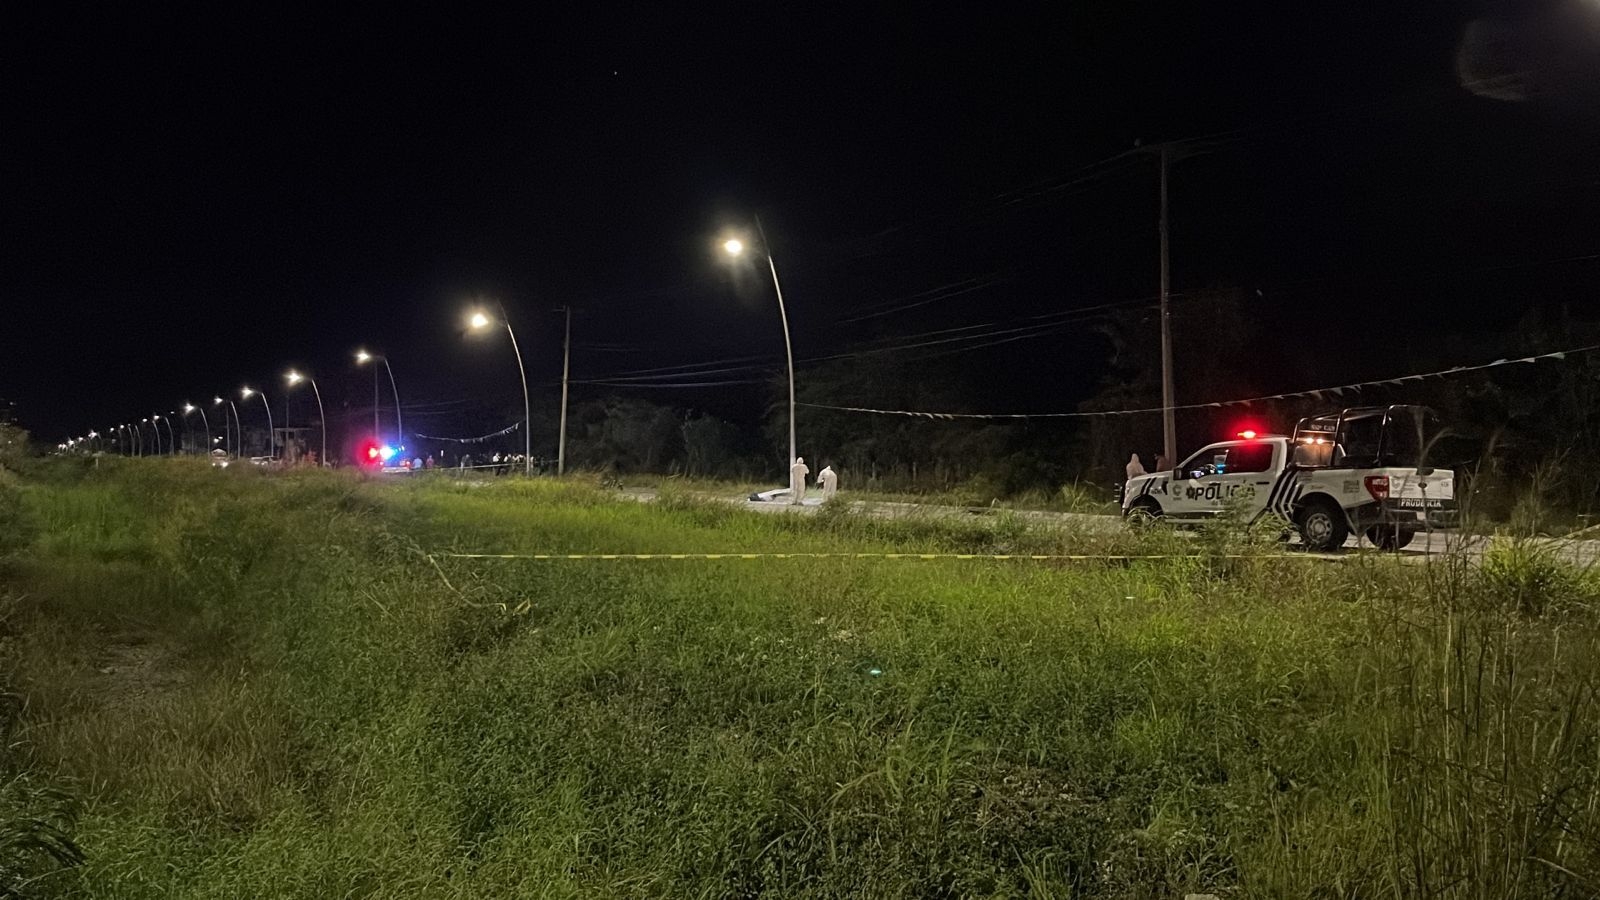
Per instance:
(1359,471)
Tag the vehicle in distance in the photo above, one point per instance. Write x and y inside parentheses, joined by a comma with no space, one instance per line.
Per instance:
(1358,471)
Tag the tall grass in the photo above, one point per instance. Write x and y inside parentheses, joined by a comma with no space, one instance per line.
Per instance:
(263,686)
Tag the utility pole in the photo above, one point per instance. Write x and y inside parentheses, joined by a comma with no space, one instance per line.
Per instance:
(566,361)
(1169,429)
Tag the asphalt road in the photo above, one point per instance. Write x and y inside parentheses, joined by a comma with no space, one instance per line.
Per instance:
(1580,552)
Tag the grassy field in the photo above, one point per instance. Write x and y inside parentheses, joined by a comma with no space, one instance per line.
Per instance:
(237,684)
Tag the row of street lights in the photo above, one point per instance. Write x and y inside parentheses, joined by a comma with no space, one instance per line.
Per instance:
(135,444)
(477,320)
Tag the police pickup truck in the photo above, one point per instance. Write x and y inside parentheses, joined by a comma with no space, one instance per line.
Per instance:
(1359,471)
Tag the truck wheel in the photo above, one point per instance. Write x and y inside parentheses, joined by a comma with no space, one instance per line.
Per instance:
(1144,514)
(1322,526)
(1386,538)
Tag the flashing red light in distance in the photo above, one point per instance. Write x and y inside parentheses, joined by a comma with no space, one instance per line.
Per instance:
(1248,434)
(370,455)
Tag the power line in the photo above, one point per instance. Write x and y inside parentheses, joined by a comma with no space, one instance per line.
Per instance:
(1336,390)
(932,295)
(676,384)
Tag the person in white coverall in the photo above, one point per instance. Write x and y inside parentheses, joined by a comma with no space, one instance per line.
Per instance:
(1135,468)
(828,480)
(797,479)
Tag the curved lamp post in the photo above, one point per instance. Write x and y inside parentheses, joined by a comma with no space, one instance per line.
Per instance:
(172,437)
(736,248)
(204,422)
(479,321)
(362,358)
(295,378)
(226,437)
(272,438)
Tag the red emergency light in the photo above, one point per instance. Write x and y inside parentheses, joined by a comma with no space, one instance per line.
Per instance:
(1248,434)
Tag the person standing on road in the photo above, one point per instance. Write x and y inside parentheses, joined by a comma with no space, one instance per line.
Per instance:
(797,480)
(1135,468)
(828,480)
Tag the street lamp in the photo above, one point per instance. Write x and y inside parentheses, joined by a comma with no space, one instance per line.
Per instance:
(272,438)
(735,248)
(479,320)
(218,401)
(157,430)
(294,379)
(204,422)
(172,439)
(362,358)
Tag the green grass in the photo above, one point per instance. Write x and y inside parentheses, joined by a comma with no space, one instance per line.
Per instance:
(260,685)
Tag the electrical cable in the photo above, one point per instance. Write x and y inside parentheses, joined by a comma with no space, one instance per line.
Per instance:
(1337,390)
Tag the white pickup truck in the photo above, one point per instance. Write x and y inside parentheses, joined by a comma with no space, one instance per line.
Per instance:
(1359,471)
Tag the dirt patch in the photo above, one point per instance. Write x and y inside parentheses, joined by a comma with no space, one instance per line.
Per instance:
(133,671)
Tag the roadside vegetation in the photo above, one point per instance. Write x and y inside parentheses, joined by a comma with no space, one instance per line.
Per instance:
(237,683)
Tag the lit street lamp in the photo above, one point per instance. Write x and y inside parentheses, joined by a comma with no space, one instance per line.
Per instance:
(157,430)
(218,401)
(735,248)
(480,321)
(172,439)
(272,438)
(205,422)
(362,358)
(294,379)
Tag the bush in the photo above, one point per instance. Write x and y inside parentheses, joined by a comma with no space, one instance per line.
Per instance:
(13,446)
(1530,577)
(17,527)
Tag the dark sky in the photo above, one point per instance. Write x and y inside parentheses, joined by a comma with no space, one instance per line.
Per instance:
(198,199)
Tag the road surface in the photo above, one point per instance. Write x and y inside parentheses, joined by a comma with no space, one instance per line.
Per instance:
(1580,552)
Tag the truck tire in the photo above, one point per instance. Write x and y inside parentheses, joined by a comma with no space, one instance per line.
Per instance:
(1391,539)
(1143,514)
(1322,526)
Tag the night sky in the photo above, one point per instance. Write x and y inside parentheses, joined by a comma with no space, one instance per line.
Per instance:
(199,199)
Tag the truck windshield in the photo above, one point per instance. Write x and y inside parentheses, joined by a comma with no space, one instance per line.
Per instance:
(1250,458)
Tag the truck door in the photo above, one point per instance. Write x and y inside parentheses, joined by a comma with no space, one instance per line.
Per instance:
(1197,484)
(1246,476)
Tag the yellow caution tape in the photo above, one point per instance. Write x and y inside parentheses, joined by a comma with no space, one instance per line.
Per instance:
(1037,557)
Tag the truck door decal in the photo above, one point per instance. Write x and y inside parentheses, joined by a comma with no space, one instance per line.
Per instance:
(1217,491)
(1282,496)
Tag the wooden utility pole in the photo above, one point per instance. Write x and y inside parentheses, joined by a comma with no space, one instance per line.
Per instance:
(566,361)
(1169,429)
